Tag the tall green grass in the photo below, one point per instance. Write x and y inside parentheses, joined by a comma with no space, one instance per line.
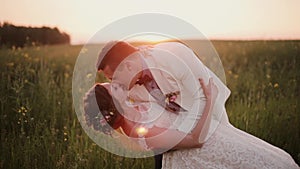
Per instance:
(263,77)
(39,128)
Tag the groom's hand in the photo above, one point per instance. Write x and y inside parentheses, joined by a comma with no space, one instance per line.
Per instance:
(210,90)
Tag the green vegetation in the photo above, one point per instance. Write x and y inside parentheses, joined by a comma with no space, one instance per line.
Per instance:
(39,128)
(20,36)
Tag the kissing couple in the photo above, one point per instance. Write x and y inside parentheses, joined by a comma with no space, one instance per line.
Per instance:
(164,96)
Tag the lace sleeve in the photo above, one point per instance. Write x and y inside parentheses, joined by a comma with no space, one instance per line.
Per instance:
(143,144)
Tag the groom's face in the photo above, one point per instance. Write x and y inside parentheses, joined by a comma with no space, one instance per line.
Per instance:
(124,74)
(108,72)
(127,73)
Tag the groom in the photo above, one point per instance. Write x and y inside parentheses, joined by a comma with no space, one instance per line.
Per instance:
(168,71)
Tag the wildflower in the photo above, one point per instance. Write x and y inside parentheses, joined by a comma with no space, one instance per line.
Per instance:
(26,55)
(10,64)
(276,85)
(67,66)
(66,75)
(83,50)
(270,84)
(89,75)
(32,71)
(22,110)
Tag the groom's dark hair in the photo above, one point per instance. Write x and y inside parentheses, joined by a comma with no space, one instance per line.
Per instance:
(116,55)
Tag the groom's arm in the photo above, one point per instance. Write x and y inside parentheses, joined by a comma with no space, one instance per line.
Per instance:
(201,129)
(187,69)
(158,138)
(165,138)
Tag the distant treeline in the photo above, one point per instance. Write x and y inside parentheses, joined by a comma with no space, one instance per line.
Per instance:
(20,36)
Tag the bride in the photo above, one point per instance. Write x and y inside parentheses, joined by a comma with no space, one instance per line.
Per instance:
(228,147)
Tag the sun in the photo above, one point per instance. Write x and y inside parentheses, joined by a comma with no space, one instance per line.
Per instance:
(149,38)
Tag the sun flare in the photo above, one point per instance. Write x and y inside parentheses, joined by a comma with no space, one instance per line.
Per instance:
(149,37)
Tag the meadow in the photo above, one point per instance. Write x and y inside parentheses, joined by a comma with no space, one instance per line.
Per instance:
(39,128)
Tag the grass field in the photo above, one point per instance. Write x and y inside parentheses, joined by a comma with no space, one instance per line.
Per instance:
(39,128)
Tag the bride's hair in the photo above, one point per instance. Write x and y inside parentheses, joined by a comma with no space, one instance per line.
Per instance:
(100,109)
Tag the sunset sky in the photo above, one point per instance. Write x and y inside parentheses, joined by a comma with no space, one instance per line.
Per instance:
(222,19)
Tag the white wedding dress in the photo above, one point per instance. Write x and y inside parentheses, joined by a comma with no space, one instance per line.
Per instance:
(230,148)
(226,148)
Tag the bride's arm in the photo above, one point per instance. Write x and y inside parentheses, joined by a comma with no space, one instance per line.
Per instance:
(164,138)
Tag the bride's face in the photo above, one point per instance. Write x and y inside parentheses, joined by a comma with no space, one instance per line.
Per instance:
(120,94)
(117,91)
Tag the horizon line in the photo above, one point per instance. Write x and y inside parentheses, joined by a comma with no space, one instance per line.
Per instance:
(212,39)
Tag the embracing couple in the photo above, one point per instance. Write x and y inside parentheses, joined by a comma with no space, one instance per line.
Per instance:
(165,96)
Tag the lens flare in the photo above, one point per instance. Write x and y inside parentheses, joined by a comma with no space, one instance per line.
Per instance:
(141,131)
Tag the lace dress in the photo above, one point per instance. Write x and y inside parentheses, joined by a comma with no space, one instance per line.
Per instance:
(230,148)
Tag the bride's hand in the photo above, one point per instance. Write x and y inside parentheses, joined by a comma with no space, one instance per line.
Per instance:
(210,90)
